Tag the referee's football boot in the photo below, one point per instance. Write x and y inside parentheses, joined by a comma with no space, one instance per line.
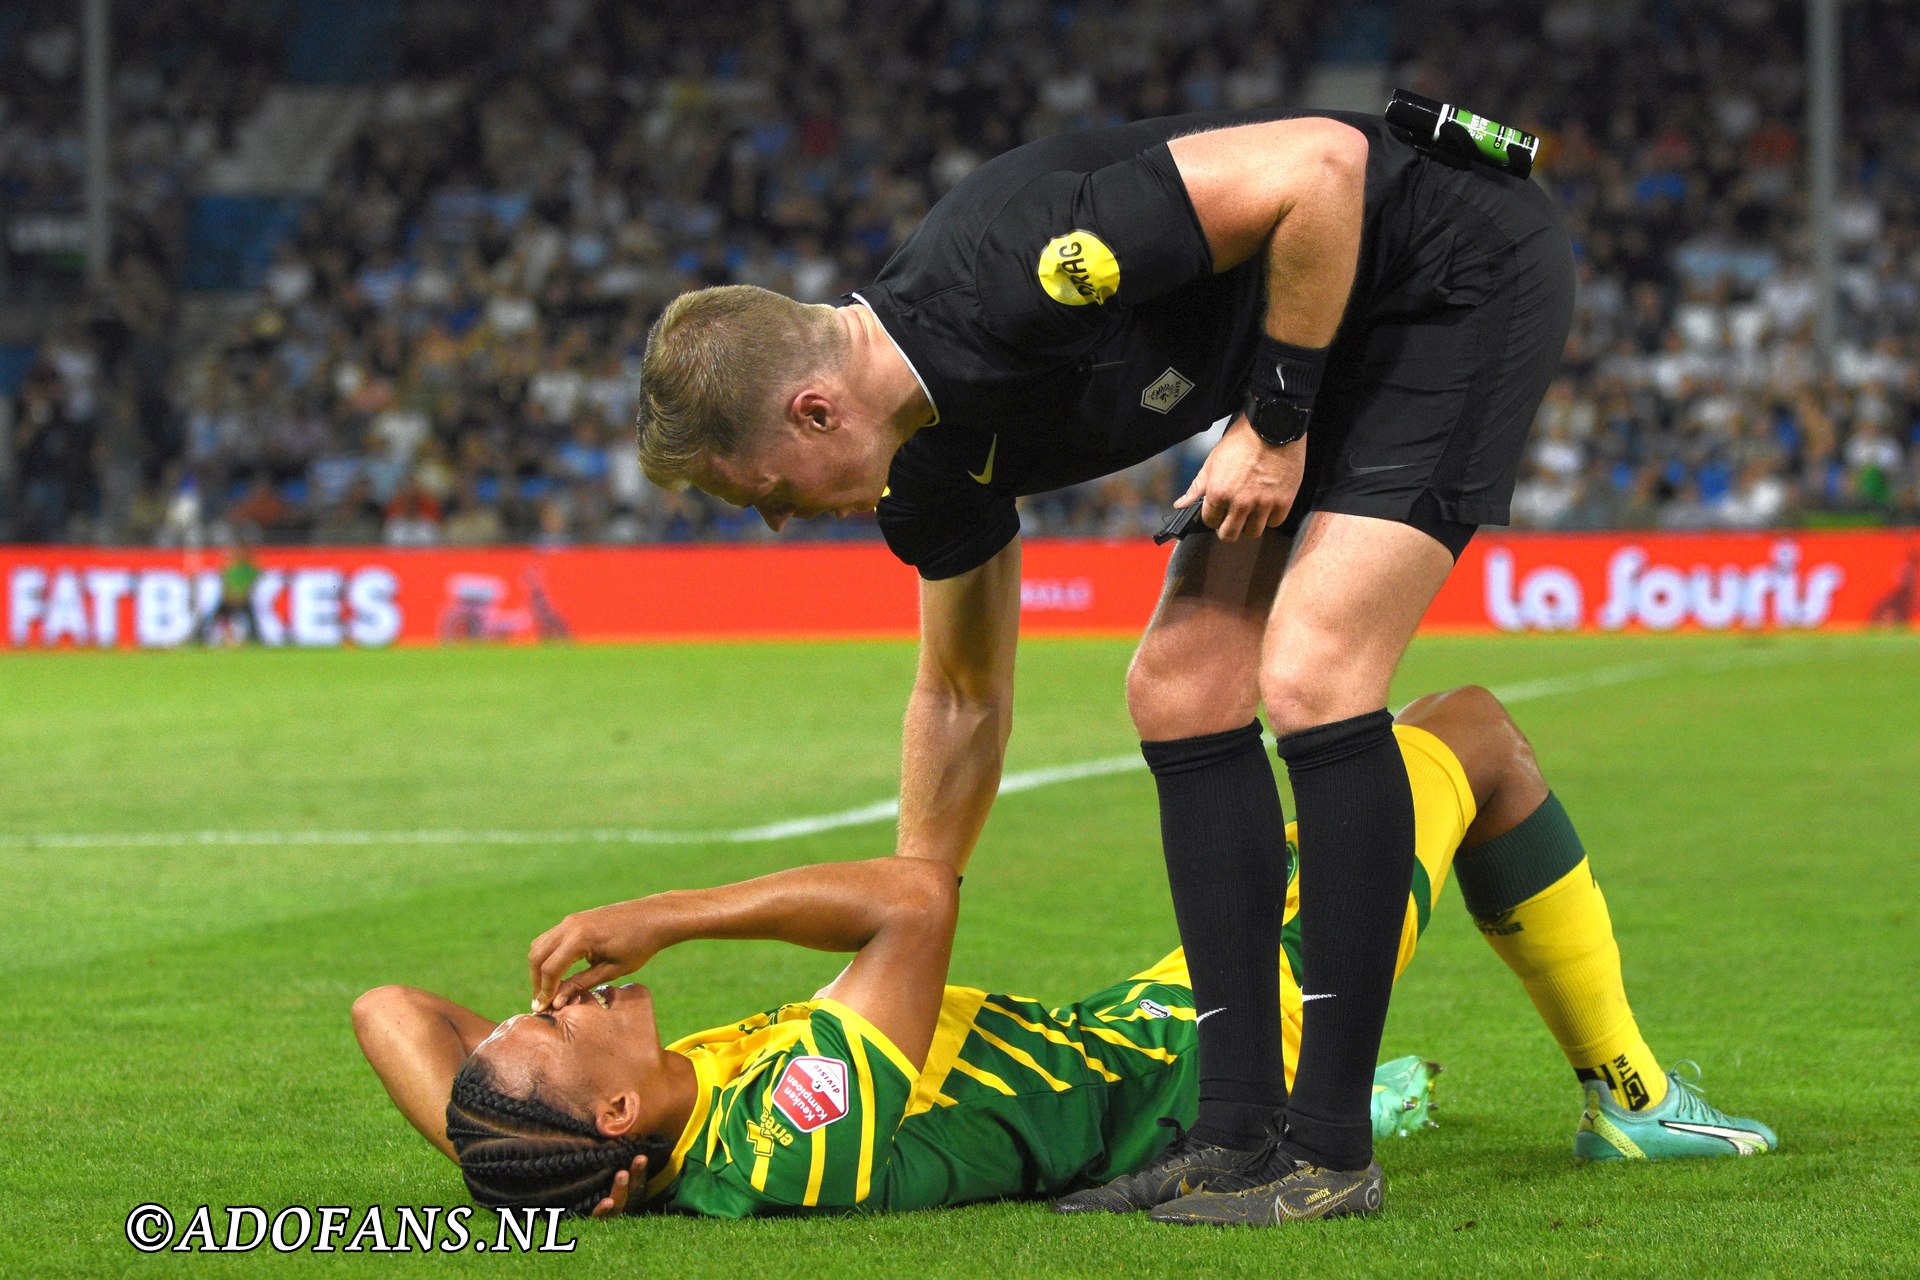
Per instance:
(1281,1188)
(1682,1124)
(1185,1166)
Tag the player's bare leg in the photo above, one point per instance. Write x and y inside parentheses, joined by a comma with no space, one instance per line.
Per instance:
(1348,604)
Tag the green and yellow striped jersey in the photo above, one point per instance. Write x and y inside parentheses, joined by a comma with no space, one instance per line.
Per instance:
(809,1108)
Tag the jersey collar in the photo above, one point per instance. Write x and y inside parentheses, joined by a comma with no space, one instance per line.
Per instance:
(705,1079)
(924,388)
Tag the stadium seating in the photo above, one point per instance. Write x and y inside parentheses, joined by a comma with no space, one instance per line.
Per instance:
(441,345)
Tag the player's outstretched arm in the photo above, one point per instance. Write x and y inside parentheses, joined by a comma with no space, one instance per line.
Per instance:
(896,913)
(415,1041)
(961,711)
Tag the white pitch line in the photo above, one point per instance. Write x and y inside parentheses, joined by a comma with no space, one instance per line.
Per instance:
(864,815)
(1549,686)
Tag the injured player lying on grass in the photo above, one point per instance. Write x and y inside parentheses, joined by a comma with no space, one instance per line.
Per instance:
(892,1090)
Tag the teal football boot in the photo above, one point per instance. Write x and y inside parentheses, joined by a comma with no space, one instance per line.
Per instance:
(1683,1124)
(1403,1097)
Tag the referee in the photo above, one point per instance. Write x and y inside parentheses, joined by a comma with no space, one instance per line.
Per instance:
(1378,322)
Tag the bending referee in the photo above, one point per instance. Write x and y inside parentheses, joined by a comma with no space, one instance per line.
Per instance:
(1379,323)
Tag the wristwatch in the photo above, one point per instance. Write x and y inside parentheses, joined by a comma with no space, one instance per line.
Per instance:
(1276,421)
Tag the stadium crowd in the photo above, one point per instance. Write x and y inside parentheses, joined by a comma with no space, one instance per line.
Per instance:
(100,386)
(445,351)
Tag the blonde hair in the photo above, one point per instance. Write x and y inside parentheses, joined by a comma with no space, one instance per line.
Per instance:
(718,362)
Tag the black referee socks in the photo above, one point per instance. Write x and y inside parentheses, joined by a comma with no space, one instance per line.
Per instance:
(1226,849)
(1356,867)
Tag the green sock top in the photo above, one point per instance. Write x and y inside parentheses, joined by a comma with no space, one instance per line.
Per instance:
(1510,868)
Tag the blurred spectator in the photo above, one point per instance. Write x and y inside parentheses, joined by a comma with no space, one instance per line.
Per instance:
(412,517)
(1760,498)
(352,519)
(471,522)
(1598,503)
(1686,511)
(260,509)
(1544,497)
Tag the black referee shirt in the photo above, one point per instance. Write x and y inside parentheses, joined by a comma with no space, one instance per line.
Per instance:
(1060,308)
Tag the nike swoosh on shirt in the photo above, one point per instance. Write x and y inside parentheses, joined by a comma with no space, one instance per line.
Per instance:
(985,474)
(1367,471)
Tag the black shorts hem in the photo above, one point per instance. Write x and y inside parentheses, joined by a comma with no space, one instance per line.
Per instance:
(1423,512)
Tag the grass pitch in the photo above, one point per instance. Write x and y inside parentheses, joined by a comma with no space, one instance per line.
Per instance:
(176,1023)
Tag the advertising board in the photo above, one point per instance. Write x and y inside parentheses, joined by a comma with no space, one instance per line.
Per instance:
(73,597)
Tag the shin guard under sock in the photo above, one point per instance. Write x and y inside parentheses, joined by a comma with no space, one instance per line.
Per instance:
(1226,849)
(1356,866)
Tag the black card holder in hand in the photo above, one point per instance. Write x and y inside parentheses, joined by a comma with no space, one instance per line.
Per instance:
(1180,524)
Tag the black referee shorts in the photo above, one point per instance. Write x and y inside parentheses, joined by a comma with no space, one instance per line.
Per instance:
(1424,410)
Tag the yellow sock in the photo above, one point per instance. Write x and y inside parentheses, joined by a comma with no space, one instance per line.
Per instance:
(1559,942)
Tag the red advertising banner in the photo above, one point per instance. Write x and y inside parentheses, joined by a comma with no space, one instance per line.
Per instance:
(72,597)
(1778,581)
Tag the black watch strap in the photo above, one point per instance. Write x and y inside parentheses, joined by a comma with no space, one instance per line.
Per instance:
(1276,421)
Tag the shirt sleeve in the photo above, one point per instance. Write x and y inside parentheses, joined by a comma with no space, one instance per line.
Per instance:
(938,517)
(813,1128)
(1070,247)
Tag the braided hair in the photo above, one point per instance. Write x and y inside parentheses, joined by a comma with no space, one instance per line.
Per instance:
(523,1153)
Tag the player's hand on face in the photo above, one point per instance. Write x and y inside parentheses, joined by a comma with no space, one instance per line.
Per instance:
(615,1202)
(1248,485)
(613,941)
